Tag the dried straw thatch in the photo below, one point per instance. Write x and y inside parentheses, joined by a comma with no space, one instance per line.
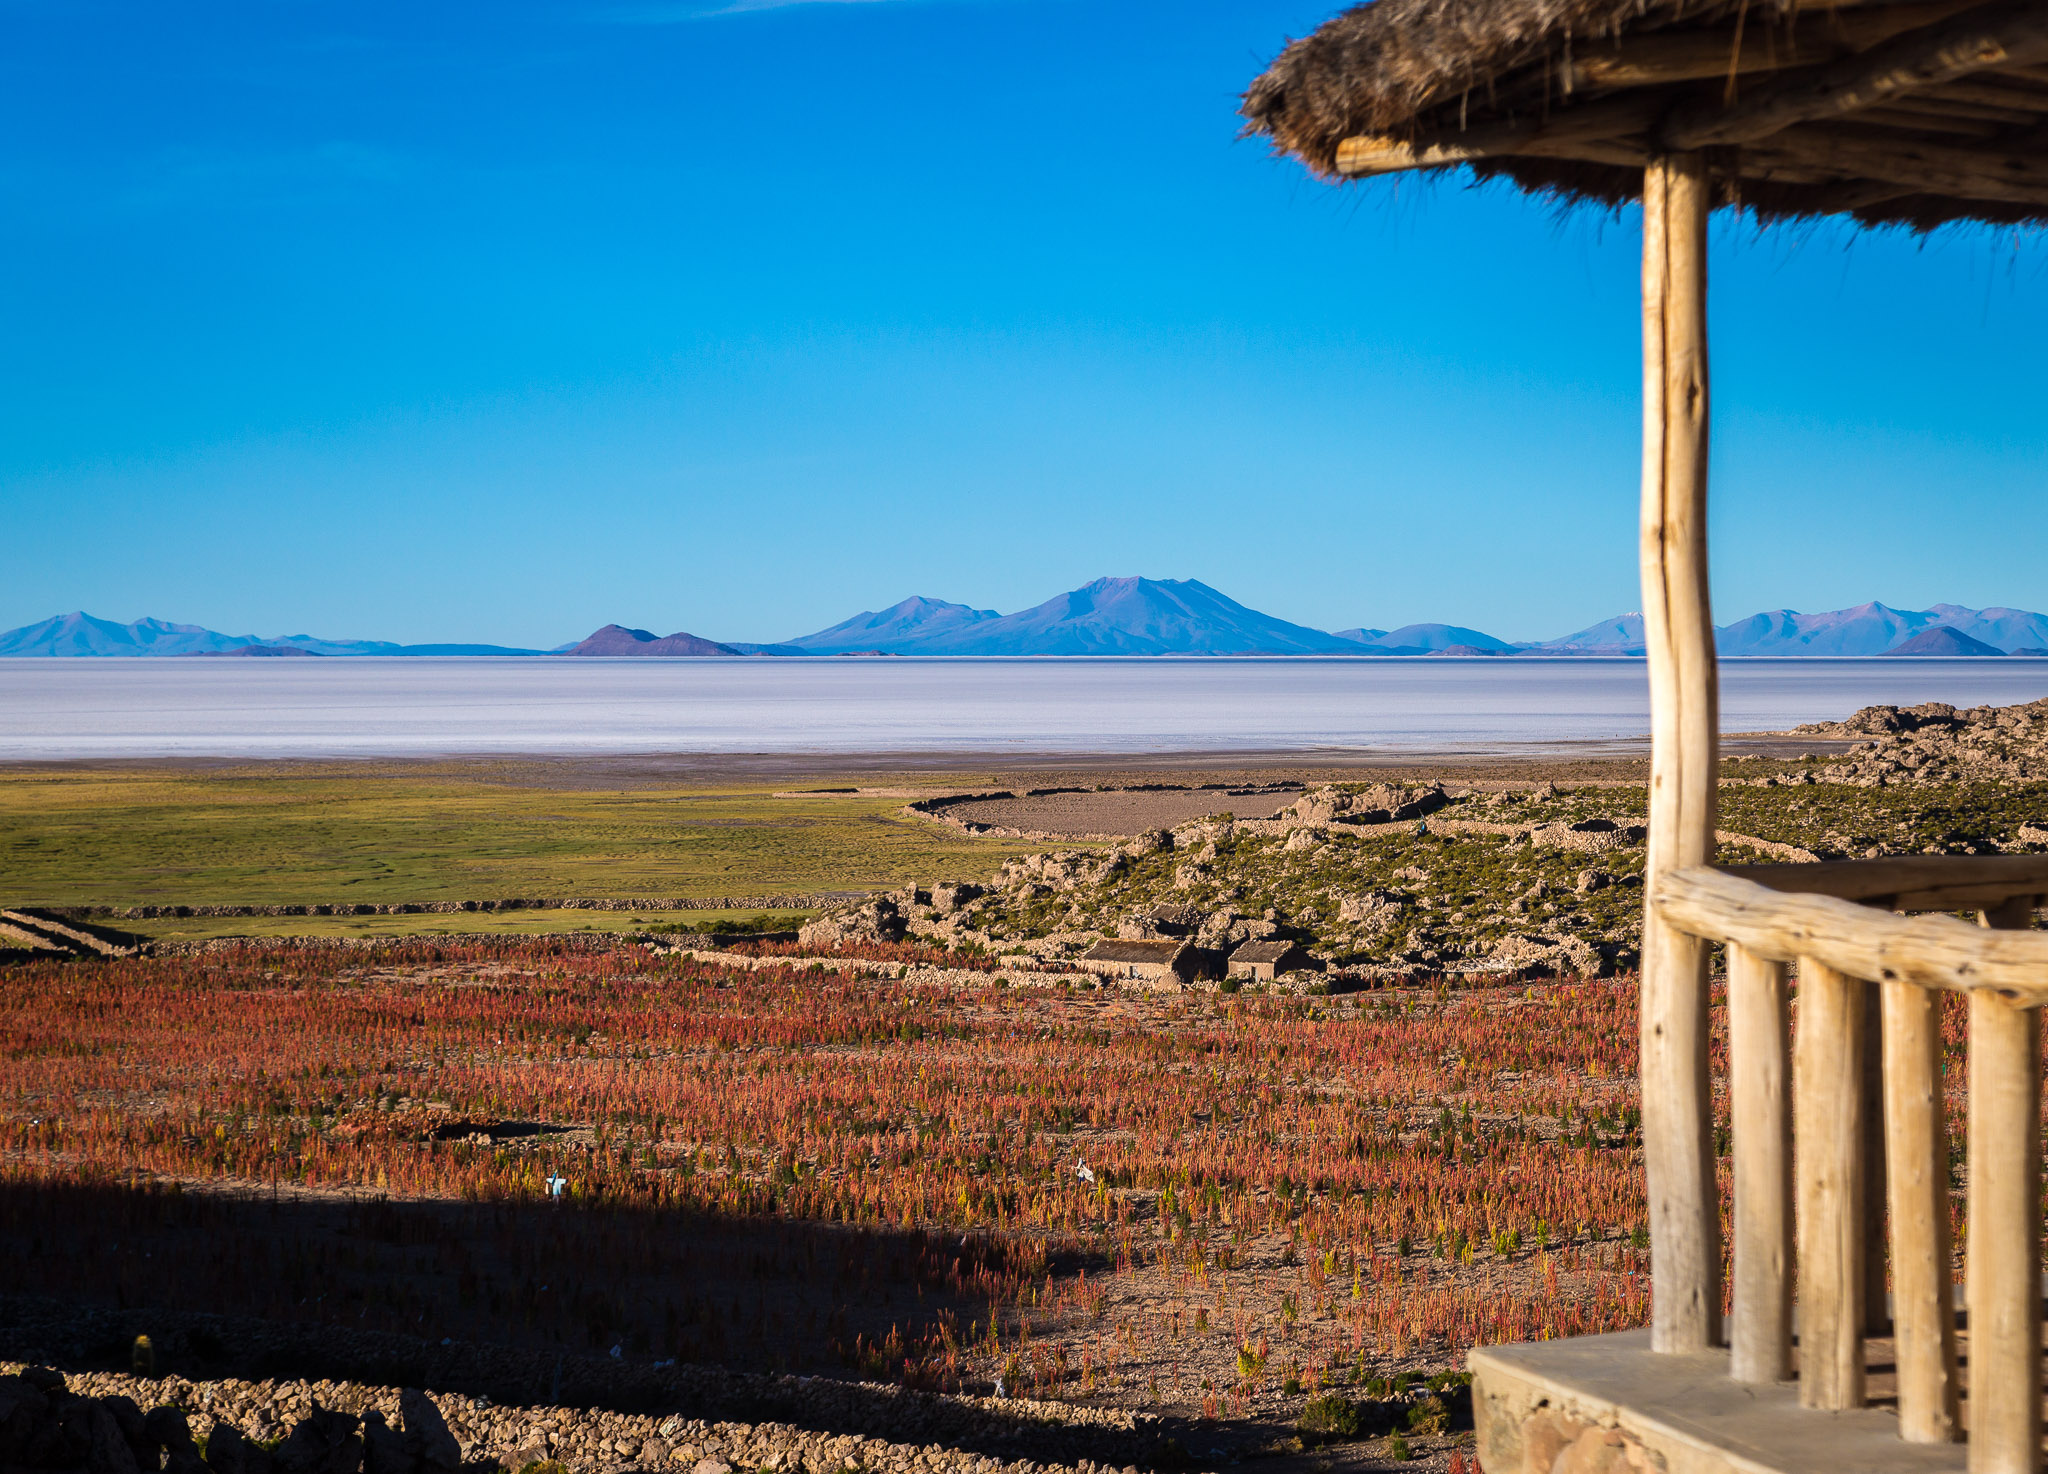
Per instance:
(1916,113)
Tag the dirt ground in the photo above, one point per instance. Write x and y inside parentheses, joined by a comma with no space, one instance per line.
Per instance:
(1117,811)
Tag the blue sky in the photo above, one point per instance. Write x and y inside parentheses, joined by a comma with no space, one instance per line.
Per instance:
(467,321)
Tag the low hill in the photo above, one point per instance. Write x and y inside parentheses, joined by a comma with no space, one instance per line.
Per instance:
(1942,640)
(616,640)
(916,619)
(1621,635)
(1433,639)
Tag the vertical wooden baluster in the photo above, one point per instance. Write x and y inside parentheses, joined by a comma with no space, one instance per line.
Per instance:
(1876,1307)
(1916,1137)
(1760,1109)
(2004,1258)
(1829,1166)
(1678,639)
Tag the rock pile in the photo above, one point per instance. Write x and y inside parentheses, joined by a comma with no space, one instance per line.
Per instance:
(95,1424)
(1380,804)
(1935,743)
(877,919)
(1588,836)
(45,1424)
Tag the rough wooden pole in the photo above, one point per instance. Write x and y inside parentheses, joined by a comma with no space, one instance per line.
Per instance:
(1916,1141)
(1876,1307)
(1678,637)
(1760,1108)
(1830,1168)
(2004,1269)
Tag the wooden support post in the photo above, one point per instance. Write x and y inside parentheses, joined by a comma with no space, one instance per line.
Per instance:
(1876,1308)
(1830,1169)
(1916,1138)
(2004,1269)
(1678,637)
(1760,1107)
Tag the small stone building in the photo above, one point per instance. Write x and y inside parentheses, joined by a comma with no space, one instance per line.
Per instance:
(1266,959)
(1168,961)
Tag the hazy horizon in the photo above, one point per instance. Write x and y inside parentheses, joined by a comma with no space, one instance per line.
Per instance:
(276,632)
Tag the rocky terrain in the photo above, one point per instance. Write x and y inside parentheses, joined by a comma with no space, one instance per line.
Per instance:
(1378,880)
(96,1423)
(1935,744)
(1372,879)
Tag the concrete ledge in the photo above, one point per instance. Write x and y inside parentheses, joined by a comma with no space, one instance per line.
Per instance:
(1609,1405)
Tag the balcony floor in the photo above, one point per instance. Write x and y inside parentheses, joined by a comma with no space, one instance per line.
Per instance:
(1608,1405)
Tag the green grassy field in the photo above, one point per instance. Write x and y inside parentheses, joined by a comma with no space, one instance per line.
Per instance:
(267,834)
(468,923)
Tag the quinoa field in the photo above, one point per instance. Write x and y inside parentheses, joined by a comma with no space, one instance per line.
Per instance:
(1211,1205)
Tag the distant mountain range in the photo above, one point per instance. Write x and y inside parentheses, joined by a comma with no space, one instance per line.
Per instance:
(81,634)
(1127,616)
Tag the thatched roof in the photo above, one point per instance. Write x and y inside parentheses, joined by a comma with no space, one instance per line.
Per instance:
(1113,949)
(1916,113)
(1267,951)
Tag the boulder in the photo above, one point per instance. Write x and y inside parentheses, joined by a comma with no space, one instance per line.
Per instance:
(65,1439)
(324,1442)
(24,1408)
(427,1437)
(1582,957)
(165,1428)
(228,1452)
(384,1447)
(879,919)
(1373,908)
(949,896)
(130,1420)
(1170,919)
(107,1450)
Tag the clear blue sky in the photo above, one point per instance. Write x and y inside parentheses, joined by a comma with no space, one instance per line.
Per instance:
(502,321)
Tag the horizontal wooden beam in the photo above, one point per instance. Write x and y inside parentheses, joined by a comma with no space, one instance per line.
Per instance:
(1604,132)
(1877,946)
(2011,33)
(1941,105)
(1757,47)
(1698,56)
(1920,125)
(1952,169)
(1871,880)
(1993,89)
(1374,154)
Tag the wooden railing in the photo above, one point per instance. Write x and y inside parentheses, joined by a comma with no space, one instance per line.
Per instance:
(1865,1085)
